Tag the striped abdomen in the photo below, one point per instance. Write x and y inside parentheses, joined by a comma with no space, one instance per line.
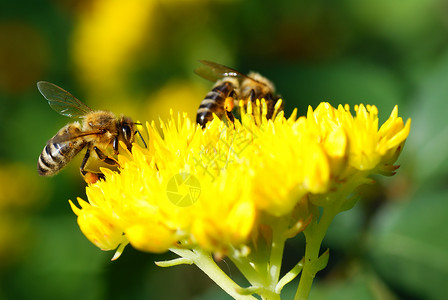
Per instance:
(214,103)
(59,151)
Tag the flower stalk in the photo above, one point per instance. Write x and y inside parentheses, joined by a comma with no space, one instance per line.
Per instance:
(204,261)
(313,263)
(316,230)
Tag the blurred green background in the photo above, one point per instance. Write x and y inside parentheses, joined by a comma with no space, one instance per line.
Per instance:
(137,57)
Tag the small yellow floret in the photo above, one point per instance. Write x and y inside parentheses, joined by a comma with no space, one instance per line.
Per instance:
(215,187)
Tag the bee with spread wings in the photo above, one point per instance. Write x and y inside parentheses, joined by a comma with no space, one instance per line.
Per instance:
(98,131)
(230,87)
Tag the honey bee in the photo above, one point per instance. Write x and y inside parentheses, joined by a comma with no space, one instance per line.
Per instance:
(230,87)
(98,131)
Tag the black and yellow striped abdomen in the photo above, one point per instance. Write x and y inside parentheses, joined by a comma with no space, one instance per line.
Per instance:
(60,150)
(213,103)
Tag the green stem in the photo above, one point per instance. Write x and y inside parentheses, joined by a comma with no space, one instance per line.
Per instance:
(262,267)
(288,277)
(279,227)
(276,257)
(314,234)
(263,271)
(205,262)
(250,271)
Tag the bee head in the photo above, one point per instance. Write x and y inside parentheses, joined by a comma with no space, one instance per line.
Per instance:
(126,131)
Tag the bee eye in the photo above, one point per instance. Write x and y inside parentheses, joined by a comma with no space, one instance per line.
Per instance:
(127,133)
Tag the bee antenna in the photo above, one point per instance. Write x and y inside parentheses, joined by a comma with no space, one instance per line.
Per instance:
(144,143)
(138,123)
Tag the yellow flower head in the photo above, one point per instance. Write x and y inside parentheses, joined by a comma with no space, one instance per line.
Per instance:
(215,188)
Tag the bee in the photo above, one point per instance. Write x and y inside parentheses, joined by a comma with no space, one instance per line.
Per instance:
(98,131)
(230,87)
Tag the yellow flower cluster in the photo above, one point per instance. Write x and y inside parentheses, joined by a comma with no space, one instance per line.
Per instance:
(215,187)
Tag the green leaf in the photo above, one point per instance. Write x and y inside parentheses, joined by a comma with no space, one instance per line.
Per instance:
(359,286)
(322,261)
(427,143)
(409,245)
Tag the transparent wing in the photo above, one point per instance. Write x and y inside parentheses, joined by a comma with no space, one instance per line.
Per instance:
(62,101)
(213,71)
(66,136)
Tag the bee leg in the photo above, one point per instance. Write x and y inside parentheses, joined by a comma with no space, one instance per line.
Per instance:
(230,118)
(84,161)
(103,157)
(89,176)
(270,103)
(252,96)
(93,177)
(229,104)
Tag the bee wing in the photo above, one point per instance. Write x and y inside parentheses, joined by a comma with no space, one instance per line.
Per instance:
(67,136)
(213,71)
(62,101)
